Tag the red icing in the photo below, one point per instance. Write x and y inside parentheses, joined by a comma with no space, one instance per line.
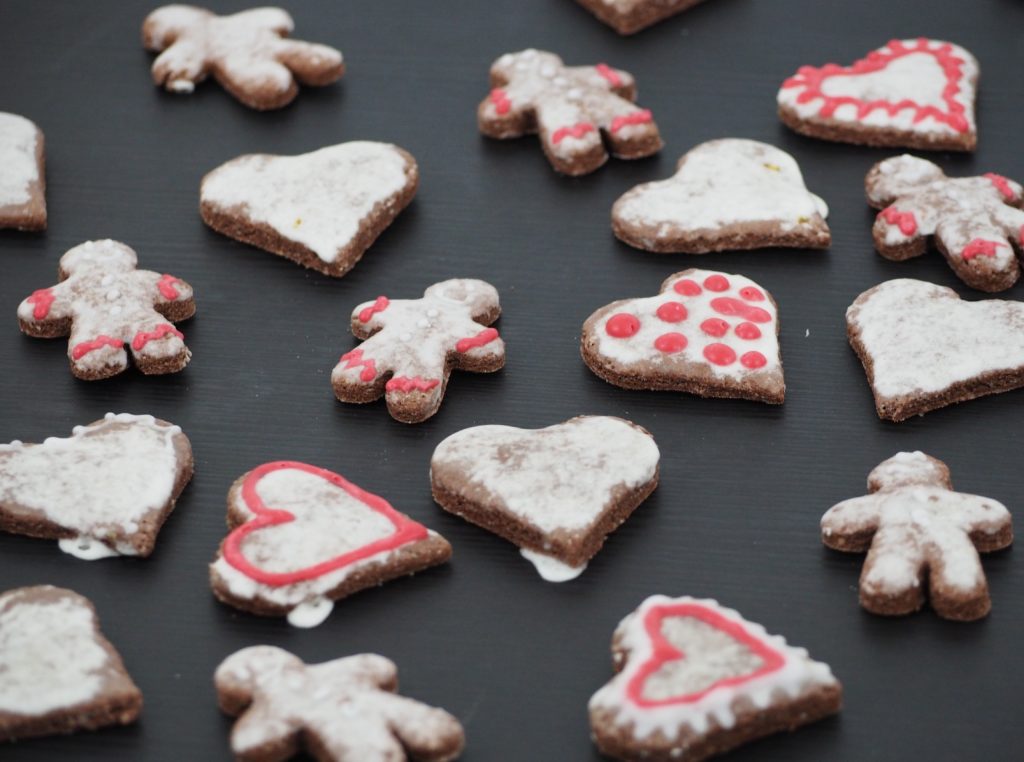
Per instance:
(83,348)
(726,305)
(753,360)
(577,130)
(672,312)
(142,338)
(354,359)
(670,342)
(906,220)
(752,294)
(406,384)
(643,116)
(43,299)
(379,305)
(980,247)
(719,354)
(622,325)
(166,286)
(406,530)
(812,80)
(715,327)
(663,652)
(1002,185)
(687,287)
(486,336)
(716,283)
(500,100)
(748,331)
(609,73)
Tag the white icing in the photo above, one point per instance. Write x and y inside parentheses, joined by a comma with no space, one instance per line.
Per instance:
(90,549)
(550,568)
(724,182)
(18,166)
(709,655)
(311,613)
(101,482)
(923,338)
(320,199)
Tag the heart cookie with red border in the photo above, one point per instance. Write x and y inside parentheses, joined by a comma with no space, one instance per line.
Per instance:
(910,93)
(303,537)
(696,679)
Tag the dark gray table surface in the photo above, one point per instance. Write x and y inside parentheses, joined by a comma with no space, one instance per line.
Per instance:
(743,485)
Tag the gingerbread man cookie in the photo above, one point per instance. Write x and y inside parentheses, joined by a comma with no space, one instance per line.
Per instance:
(345,710)
(574,109)
(976,222)
(412,345)
(108,307)
(247,52)
(630,16)
(921,538)
(22,179)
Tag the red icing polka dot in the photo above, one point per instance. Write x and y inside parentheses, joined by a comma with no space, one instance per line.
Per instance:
(720,354)
(748,331)
(715,327)
(726,305)
(753,360)
(716,283)
(752,294)
(670,342)
(622,325)
(687,287)
(672,312)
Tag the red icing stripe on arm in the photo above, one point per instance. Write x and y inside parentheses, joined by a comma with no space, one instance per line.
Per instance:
(83,348)
(486,336)
(1001,184)
(379,305)
(609,73)
(643,116)
(979,247)
(354,359)
(406,384)
(166,284)
(142,338)
(576,131)
(501,101)
(906,220)
(42,299)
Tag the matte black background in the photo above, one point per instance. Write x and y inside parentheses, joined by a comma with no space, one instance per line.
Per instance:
(743,485)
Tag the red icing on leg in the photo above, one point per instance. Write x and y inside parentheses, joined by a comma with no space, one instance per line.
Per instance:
(379,305)
(83,348)
(142,338)
(354,359)
(1001,184)
(906,220)
(499,98)
(726,305)
(43,299)
(486,336)
(406,384)
(578,130)
(979,247)
(643,116)
(608,73)
(166,285)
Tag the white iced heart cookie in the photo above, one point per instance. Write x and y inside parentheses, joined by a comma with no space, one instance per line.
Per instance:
(22,180)
(105,490)
(924,348)
(555,492)
(910,93)
(322,209)
(726,194)
(708,333)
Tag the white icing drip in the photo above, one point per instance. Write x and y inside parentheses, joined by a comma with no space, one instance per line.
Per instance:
(18,166)
(89,548)
(311,613)
(550,568)
(318,199)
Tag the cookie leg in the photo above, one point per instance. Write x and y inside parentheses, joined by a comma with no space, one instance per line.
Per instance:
(412,399)
(357,376)
(570,138)
(95,354)
(956,582)
(311,64)
(158,347)
(979,253)
(891,582)
(631,133)
(260,83)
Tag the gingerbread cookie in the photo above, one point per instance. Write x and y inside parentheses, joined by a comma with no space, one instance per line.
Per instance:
(342,710)
(22,179)
(556,492)
(247,52)
(108,307)
(706,333)
(58,674)
(576,110)
(695,679)
(137,466)
(920,536)
(630,16)
(726,194)
(303,537)
(975,222)
(923,348)
(909,93)
(322,209)
(412,345)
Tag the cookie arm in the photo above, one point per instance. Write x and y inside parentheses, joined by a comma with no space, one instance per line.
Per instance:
(172,297)
(362,373)
(616,81)
(988,522)
(506,112)
(311,63)
(850,525)
(368,317)
(426,732)
(46,312)
(479,349)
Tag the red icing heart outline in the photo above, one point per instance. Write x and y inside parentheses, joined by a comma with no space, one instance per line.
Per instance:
(812,78)
(406,530)
(664,652)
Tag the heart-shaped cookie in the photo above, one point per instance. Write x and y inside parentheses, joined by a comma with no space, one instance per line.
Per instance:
(924,348)
(696,679)
(322,209)
(911,93)
(708,333)
(726,194)
(106,490)
(304,537)
(555,492)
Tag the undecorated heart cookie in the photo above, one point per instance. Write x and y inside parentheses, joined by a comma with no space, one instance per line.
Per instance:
(696,679)
(303,537)
(910,93)
(708,333)
(924,348)
(556,492)
(104,491)
(22,181)
(726,194)
(322,209)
